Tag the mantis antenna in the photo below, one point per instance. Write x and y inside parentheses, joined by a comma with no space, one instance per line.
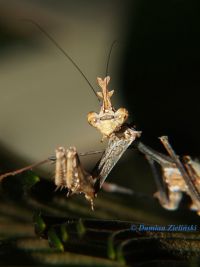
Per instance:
(109,56)
(63,52)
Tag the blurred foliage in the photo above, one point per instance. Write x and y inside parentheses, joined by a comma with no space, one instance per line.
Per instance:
(41,226)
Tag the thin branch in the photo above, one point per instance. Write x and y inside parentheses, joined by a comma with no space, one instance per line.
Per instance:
(23,169)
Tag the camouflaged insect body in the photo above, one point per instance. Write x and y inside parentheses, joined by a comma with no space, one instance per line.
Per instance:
(71,175)
(108,120)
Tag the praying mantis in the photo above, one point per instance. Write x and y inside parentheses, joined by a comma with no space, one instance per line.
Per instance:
(176,177)
(69,171)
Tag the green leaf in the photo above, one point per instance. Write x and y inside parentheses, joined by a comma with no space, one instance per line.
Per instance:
(29,179)
(81,230)
(64,234)
(54,240)
(39,223)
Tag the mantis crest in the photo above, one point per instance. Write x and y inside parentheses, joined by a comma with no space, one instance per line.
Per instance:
(112,125)
(108,120)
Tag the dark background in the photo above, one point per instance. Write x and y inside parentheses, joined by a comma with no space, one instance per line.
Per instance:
(161,69)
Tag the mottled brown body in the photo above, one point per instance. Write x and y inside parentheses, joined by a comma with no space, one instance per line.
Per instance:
(176,186)
(193,168)
(70,174)
(108,120)
(111,124)
(174,177)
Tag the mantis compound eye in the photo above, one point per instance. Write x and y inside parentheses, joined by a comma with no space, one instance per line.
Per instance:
(121,115)
(92,118)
